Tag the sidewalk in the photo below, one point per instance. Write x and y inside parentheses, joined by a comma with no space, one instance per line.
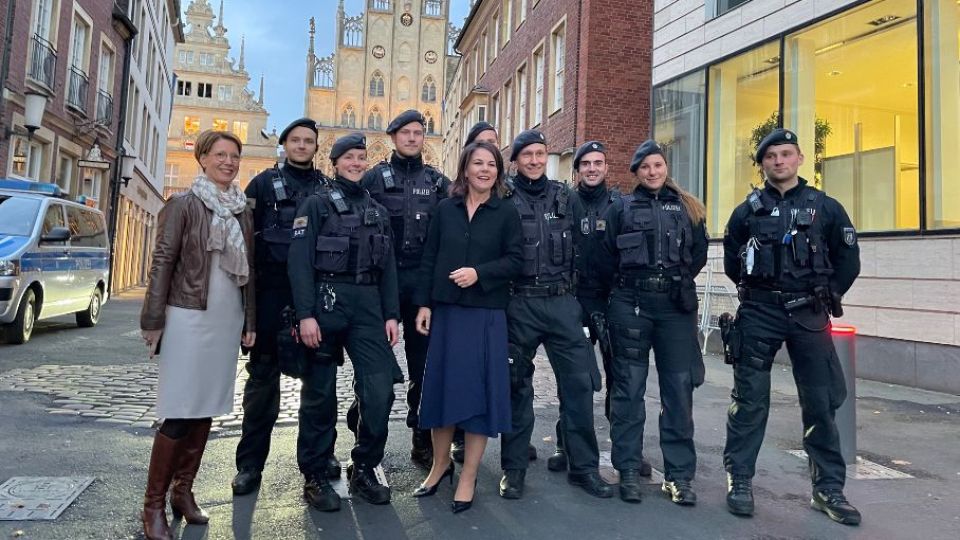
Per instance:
(911,431)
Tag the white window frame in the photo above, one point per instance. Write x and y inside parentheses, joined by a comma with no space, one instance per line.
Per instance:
(521,85)
(507,21)
(558,69)
(522,16)
(538,84)
(65,180)
(171,176)
(496,35)
(508,111)
(225,92)
(80,16)
(105,78)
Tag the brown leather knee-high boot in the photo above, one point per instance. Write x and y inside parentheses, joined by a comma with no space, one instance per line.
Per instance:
(162,461)
(190,453)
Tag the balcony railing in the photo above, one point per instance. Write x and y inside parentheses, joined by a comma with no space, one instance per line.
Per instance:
(104,108)
(77,89)
(43,61)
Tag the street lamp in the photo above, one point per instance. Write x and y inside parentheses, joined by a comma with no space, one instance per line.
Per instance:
(127,163)
(34,104)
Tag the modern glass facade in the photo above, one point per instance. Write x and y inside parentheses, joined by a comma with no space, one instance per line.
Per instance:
(872,93)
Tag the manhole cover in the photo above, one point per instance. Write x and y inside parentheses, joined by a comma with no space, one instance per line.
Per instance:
(39,497)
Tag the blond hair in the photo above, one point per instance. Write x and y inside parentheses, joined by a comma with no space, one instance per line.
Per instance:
(695,209)
(208,138)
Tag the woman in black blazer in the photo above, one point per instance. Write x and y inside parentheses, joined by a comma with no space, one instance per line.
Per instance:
(473,250)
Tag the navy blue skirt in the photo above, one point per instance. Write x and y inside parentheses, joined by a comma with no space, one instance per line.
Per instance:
(466,381)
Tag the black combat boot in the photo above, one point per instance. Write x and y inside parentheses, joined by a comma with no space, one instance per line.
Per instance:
(592,484)
(422,451)
(680,491)
(630,486)
(320,494)
(364,483)
(739,494)
(246,481)
(834,504)
(646,470)
(558,461)
(511,485)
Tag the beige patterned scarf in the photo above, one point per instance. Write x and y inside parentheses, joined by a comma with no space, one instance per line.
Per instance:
(225,234)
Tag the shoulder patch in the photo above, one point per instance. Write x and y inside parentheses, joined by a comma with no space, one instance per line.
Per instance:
(849,236)
(300,222)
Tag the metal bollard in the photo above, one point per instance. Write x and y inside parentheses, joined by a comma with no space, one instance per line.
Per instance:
(845,341)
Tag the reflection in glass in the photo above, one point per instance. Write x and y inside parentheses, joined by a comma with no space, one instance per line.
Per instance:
(942,72)
(743,96)
(678,117)
(850,93)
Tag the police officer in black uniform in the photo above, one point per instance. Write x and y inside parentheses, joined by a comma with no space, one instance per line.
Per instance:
(587,204)
(657,242)
(276,194)
(410,190)
(543,310)
(793,251)
(344,280)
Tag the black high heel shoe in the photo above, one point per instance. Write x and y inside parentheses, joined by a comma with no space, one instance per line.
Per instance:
(424,491)
(463,506)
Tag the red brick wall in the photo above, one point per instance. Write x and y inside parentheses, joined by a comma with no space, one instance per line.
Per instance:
(613,104)
(608,72)
(56,116)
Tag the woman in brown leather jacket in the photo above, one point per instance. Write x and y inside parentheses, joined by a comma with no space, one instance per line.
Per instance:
(200,299)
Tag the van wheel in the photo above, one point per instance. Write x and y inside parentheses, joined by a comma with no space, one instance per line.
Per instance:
(20,329)
(88,318)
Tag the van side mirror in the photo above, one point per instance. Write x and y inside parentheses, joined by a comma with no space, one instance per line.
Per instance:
(56,234)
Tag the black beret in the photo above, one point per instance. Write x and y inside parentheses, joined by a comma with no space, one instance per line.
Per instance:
(586,148)
(347,142)
(525,139)
(404,118)
(647,148)
(777,136)
(303,122)
(477,129)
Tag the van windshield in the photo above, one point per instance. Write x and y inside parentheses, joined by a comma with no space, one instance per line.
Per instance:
(18,215)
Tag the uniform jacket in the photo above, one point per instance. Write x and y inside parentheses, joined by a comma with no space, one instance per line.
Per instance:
(491,243)
(180,271)
(312,241)
(588,206)
(839,237)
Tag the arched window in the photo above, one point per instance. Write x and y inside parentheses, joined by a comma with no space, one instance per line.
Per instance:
(431,126)
(376,84)
(348,118)
(353,31)
(428,92)
(375,119)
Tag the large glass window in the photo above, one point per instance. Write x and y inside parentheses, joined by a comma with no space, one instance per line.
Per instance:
(850,93)
(743,103)
(942,72)
(678,117)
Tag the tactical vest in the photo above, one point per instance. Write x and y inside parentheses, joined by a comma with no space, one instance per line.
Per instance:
(281,204)
(353,239)
(410,202)
(547,240)
(789,234)
(589,230)
(655,234)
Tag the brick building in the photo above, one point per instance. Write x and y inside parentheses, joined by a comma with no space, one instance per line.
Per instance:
(576,70)
(71,52)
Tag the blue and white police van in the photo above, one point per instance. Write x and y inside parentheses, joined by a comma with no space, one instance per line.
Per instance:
(54,258)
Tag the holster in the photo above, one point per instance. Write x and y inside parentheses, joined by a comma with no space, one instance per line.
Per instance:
(599,322)
(731,337)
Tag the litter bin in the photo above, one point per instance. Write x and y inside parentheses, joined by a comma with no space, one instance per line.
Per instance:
(845,341)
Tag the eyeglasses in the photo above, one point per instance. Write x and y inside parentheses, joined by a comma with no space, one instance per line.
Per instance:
(223,157)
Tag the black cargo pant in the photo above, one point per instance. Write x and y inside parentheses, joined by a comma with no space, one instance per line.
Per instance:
(593,302)
(356,324)
(554,322)
(762,329)
(639,321)
(414,345)
(261,391)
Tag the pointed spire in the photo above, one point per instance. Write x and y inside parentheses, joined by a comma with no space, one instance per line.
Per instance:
(260,99)
(313,32)
(220,18)
(243,40)
(220,29)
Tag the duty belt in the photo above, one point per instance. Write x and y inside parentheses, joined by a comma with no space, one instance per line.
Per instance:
(366,278)
(658,283)
(764,296)
(545,290)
